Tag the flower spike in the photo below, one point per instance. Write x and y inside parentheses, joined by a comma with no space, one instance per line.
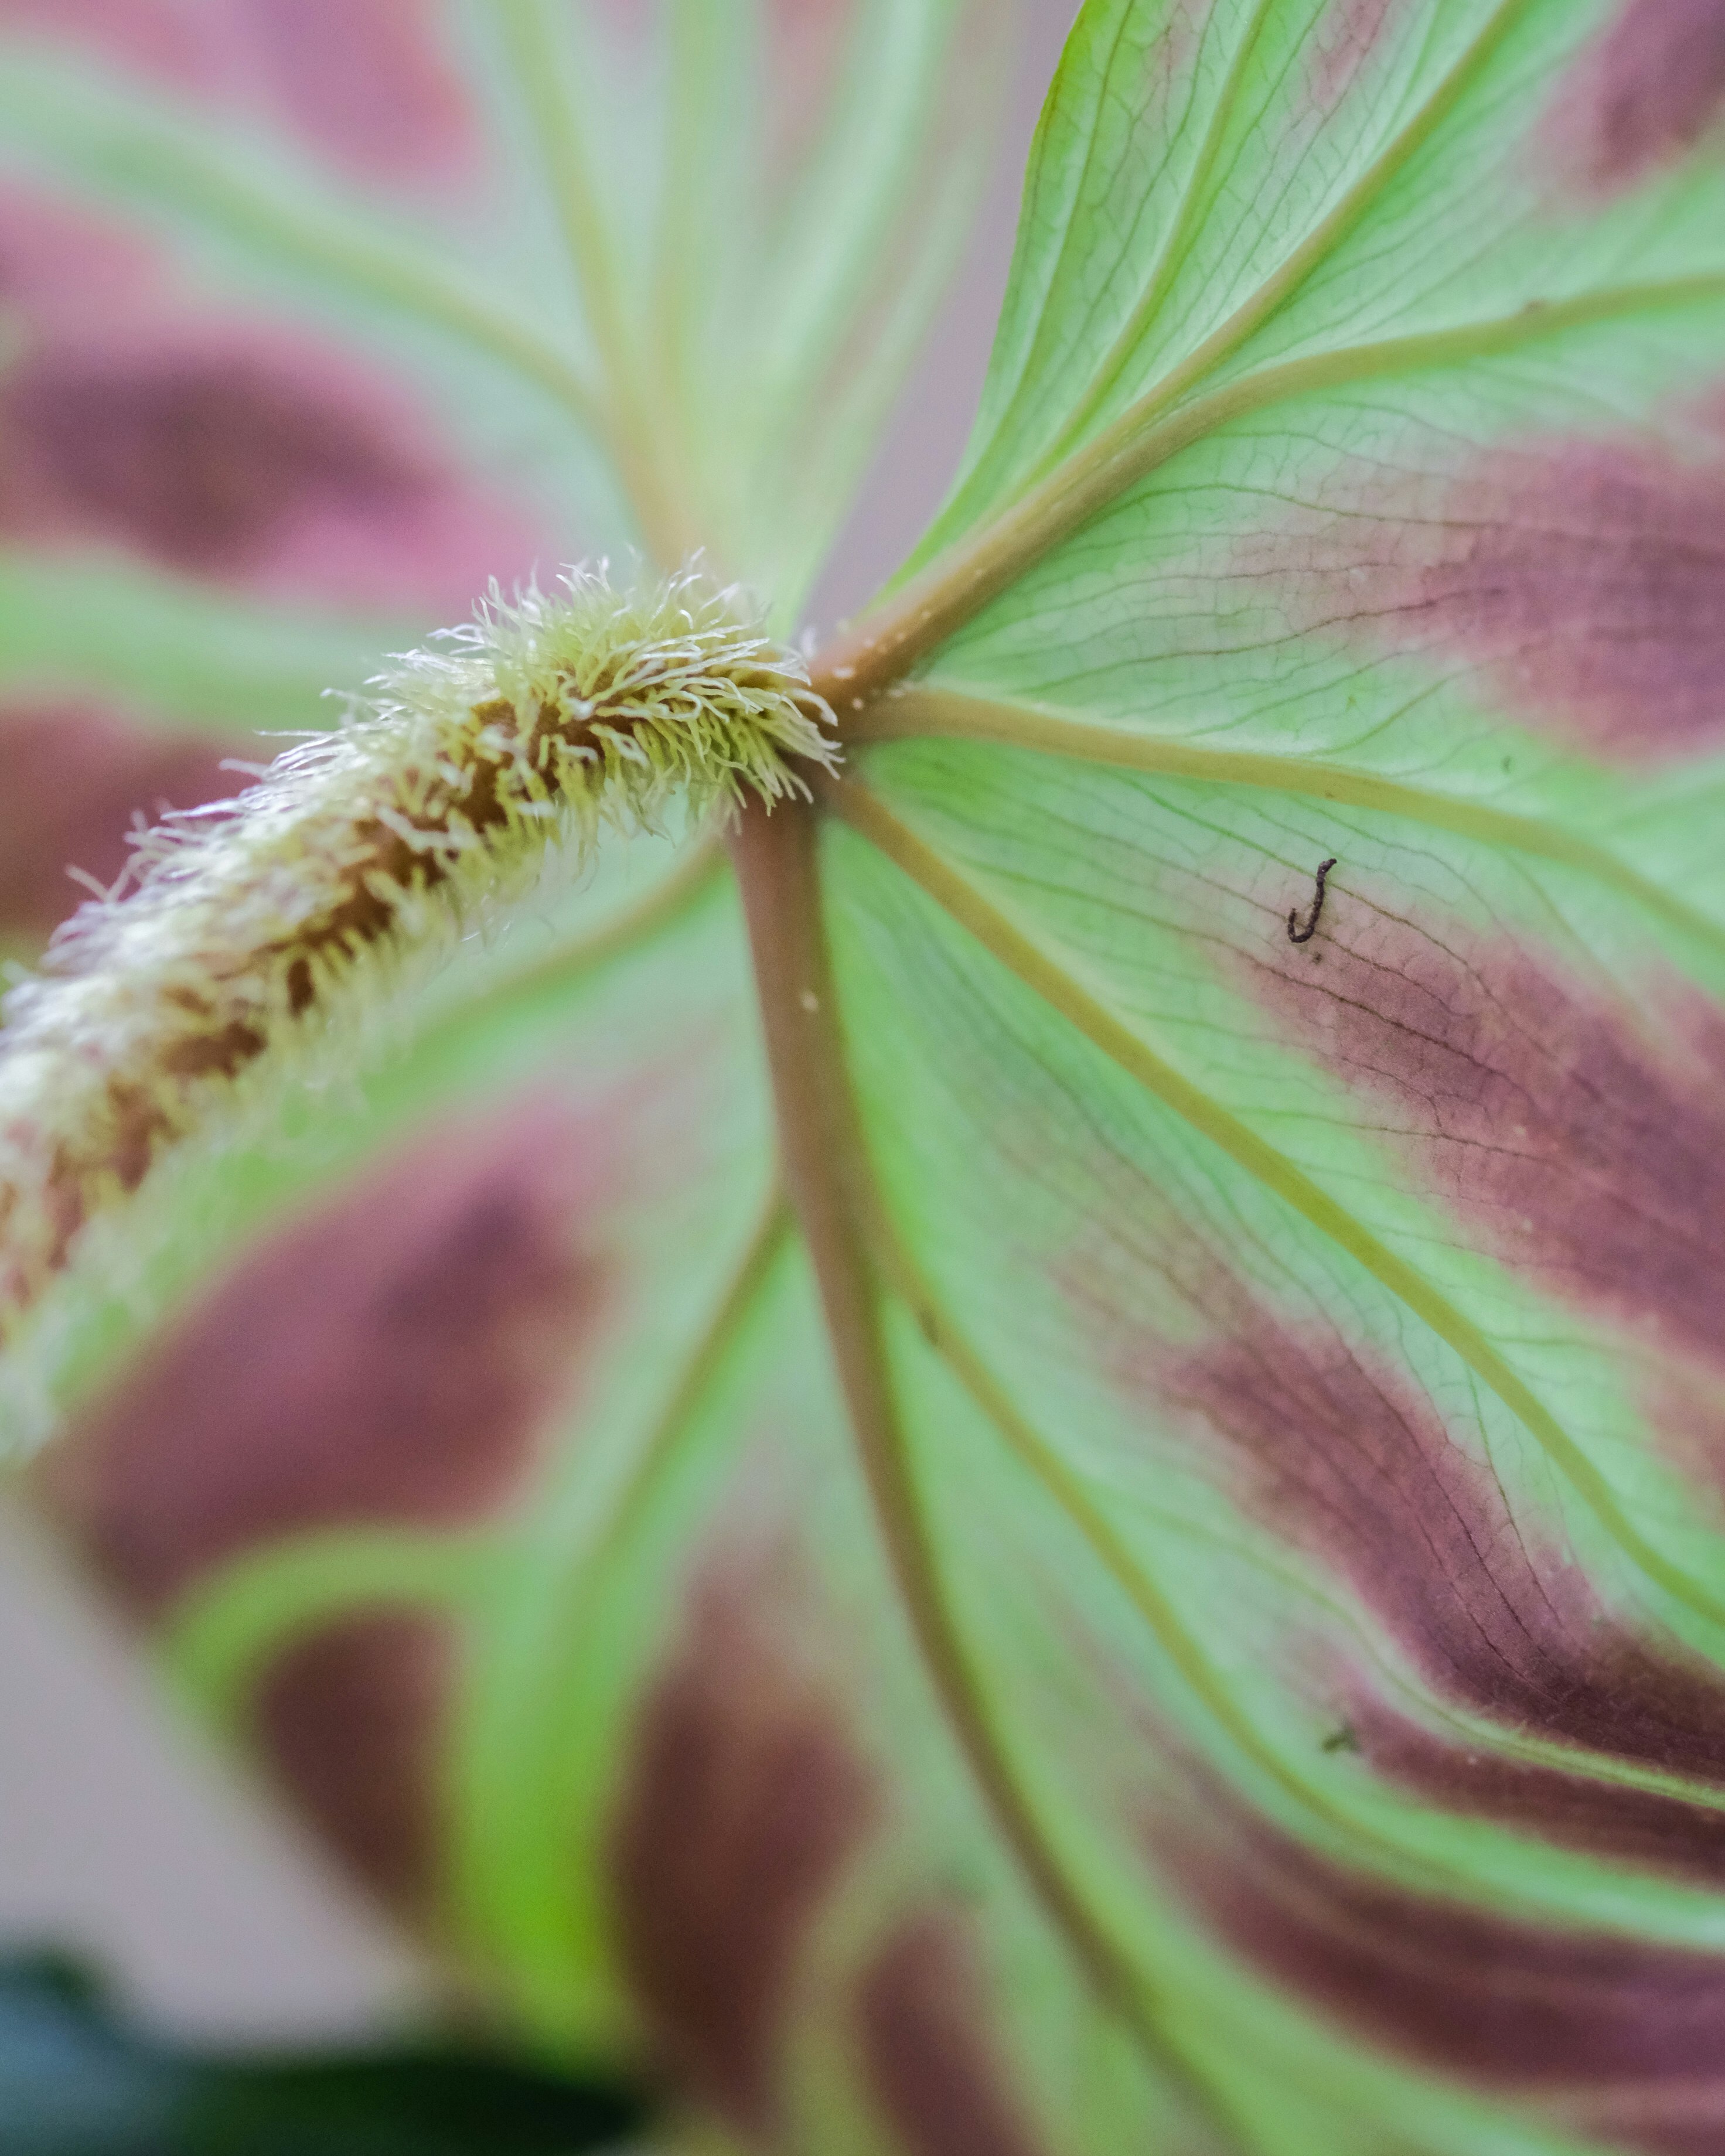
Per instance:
(249,926)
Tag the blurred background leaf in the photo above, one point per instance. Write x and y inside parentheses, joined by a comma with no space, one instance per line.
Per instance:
(77,2080)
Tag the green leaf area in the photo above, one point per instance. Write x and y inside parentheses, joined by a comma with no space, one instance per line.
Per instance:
(1041,1470)
(73,2082)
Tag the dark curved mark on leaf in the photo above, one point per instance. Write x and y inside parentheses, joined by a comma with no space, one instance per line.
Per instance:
(930,2057)
(743,1800)
(72,779)
(350,1719)
(394,1356)
(1642,96)
(1296,933)
(1540,1113)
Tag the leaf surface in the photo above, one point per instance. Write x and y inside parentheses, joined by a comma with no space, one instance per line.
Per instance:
(1151,1570)
(1347,491)
(320,319)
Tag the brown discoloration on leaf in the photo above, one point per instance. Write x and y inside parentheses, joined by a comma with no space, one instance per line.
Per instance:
(1550,1804)
(1583,581)
(395,1355)
(1339,1457)
(1540,1112)
(72,779)
(133,416)
(1642,96)
(931,2061)
(743,1799)
(203,461)
(1334,1450)
(350,1719)
(1515,2005)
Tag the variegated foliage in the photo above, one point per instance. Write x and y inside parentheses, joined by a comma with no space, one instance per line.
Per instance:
(1009,1474)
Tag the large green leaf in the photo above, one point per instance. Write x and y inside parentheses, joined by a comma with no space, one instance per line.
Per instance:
(1160,1580)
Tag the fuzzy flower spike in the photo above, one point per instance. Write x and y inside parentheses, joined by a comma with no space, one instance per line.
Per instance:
(249,924)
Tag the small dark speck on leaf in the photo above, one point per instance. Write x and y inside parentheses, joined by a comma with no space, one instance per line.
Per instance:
(1342,1739)
(1296,934)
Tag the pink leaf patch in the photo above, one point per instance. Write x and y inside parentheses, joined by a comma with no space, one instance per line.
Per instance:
(1642,96)
(1585,581)
(743,1800)
(168,38)
(245,459)
(70,274)
(369,82)
(396,1356)
(74,778)
(930,2056)
(1540,1113)
(1343,45)
(350,1719)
